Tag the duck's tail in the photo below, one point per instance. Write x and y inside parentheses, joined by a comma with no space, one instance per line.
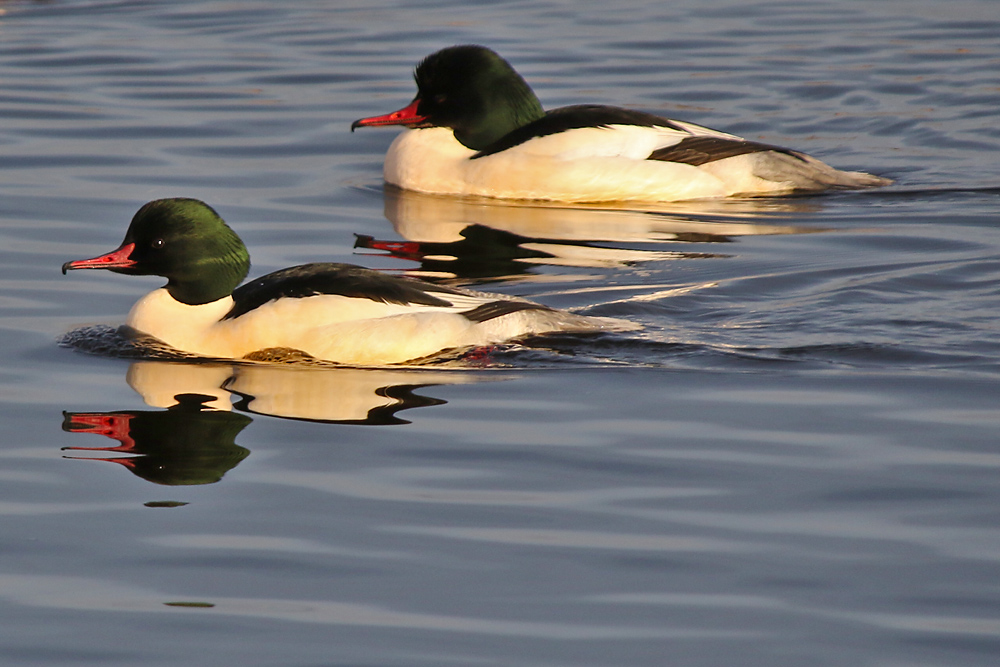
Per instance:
(798,172)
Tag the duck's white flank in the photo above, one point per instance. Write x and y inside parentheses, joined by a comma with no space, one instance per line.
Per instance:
(600,164)
(347,330)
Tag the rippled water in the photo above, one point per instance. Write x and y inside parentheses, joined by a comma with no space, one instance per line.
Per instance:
(794,463)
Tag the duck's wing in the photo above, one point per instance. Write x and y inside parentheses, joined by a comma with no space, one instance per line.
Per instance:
(330,278)
(578,117)
(327,278)
(676,141)
(699,150)
(795,170)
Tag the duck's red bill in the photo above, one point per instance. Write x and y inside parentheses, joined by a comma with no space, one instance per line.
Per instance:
(401,249)
(116,259)
(114,425)
(406,116)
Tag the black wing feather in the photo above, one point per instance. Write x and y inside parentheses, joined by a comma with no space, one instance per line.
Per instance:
(574,118)
(697,151)
(494,309)
(330,278)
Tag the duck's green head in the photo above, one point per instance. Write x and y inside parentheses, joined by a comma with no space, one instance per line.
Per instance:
(470,89)
(475,92)
(186,242)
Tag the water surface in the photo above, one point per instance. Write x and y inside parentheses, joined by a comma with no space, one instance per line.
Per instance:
(794,462)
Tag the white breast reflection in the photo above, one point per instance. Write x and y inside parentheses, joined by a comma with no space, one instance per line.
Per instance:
(191,438)
(477,238)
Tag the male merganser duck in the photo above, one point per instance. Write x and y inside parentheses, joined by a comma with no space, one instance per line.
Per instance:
(480,130)
(334,312)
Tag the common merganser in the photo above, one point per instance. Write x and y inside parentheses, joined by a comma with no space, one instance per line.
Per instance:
(478,129)
(334,312)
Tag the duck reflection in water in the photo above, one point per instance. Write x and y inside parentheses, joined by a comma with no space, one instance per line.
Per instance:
(186,444)
(192,441)
(477,238)
(360,396)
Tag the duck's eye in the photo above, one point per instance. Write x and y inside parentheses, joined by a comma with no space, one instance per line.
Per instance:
(440,99)
(157,244)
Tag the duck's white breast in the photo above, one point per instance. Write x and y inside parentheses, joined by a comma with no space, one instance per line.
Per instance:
(182,326)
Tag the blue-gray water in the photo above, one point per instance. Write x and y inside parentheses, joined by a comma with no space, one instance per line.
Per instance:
(795,463)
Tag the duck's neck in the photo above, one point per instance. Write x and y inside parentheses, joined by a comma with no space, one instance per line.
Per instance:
(211,278)
(505,108)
